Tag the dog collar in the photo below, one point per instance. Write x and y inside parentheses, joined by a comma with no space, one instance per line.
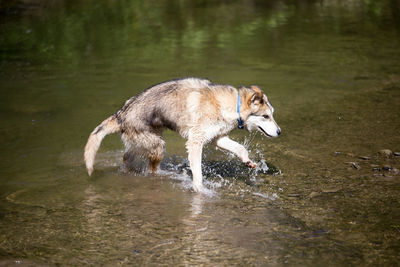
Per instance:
(240,122)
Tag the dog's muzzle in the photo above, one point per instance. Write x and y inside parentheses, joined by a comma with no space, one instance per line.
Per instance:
(267,126)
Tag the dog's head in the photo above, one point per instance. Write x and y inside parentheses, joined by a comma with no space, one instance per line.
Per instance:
(261,114)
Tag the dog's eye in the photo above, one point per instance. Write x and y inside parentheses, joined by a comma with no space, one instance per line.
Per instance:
(266,117)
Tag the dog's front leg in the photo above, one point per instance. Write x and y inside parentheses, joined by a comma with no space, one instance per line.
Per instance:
(228,144)
(194,154)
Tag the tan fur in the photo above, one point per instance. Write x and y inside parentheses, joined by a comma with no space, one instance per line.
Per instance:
(195,108)
(108,126)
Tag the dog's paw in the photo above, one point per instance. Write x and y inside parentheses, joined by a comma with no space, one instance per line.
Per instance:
(202,190)
(198,188)
(251,164)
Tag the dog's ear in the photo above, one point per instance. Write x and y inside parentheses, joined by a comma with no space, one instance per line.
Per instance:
(256,96)
(256,89)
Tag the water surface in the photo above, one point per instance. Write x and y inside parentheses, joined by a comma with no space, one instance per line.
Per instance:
(331,69)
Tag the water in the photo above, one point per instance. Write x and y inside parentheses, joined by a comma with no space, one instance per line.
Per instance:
(330,68)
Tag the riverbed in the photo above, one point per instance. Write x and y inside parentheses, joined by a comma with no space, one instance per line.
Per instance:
(326,192)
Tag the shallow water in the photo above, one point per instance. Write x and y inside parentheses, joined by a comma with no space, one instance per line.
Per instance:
(324,193)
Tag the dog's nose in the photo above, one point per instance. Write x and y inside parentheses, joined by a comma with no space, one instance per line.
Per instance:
(278,131)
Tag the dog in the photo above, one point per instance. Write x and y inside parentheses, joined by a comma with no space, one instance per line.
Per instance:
(198,110)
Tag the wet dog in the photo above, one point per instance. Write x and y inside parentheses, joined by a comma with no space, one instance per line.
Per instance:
(197,109)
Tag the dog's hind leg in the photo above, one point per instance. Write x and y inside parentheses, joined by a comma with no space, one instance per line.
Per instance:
(145,145)
(152,146)
(129,162)
(228,144)
(155,151)
(154,163)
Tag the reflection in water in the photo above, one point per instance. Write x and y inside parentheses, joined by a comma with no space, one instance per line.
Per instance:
(330,68)
(197,204)
(92,210)
(195,249)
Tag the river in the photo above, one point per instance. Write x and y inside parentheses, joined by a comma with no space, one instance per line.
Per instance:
(326,192)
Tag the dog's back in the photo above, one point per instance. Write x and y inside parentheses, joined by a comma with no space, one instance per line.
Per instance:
(165,105)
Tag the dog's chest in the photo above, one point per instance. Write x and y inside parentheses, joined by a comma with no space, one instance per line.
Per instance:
(215,129)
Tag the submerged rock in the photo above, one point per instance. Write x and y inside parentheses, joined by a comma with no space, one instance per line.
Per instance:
(314,194)
(386,152)
(355,165)
(330,190)
(220,168)
(387,168)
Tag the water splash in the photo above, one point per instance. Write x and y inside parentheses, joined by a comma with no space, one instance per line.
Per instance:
(221,172)
(272,196)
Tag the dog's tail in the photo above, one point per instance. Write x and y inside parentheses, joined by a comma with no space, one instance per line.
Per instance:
(108,126)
